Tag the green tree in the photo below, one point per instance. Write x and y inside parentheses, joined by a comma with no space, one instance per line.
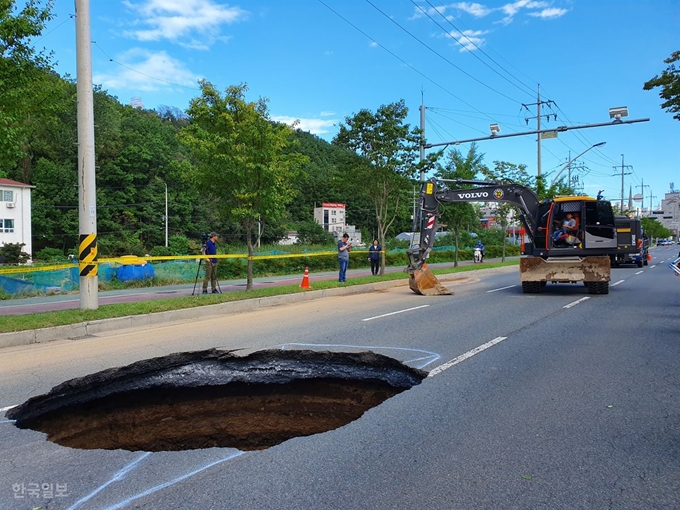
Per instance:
(310,232)
(654,229)
(241,158)
(23,74)
(669,82)
(505,172)
(383,162)
(462,215)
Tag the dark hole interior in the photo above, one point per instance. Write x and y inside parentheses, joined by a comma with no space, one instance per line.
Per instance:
(215,399)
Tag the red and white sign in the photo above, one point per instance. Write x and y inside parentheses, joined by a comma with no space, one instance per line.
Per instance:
(330,205)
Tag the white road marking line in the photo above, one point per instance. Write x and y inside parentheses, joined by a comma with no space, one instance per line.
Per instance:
(639,272)
(465,356)
(3,409)
(502,288)
(617,283)
(576,302)
(652,267)
(394,313)
(8,421)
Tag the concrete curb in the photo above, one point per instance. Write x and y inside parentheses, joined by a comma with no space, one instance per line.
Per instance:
(87,329)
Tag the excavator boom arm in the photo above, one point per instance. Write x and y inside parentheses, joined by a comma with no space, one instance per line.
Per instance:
(432,194)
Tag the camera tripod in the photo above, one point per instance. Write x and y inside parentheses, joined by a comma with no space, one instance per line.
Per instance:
(198,272)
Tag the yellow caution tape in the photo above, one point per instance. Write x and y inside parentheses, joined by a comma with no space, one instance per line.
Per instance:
(135,260)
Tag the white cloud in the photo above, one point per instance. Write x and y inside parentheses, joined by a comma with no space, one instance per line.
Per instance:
(478,10)
(469,40)
(190,23)
(145,71)
(549,13)
(327,114)
(474,9)
(314,126)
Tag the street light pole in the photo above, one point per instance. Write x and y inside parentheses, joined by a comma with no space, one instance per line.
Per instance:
(568,165)
(166,215)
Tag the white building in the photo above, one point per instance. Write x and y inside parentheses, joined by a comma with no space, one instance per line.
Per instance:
(670,212)
(331,216)
(15,214)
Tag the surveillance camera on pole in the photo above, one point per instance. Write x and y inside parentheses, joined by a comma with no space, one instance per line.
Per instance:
(618,112)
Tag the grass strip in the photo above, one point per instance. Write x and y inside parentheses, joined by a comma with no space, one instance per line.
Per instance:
(12,323)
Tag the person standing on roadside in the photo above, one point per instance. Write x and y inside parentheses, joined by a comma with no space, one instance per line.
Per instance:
(344,247)
(374,256)
(210,264)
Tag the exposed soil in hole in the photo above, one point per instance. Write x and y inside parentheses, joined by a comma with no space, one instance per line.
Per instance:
(215,399)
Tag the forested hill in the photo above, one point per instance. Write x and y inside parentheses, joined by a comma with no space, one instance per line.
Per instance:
(137,154)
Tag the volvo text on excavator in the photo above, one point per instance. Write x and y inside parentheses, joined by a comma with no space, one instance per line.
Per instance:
(568,239)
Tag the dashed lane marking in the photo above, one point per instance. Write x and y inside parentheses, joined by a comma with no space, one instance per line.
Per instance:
(502,288)
(465,356)
(576,302)
(394,313)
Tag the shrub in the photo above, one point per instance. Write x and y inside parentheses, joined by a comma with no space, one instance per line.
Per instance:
(50,255)
(12,253)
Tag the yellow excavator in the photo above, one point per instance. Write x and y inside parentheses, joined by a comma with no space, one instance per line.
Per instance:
(568,239)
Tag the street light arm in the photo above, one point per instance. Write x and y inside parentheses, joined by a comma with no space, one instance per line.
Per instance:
(574,159)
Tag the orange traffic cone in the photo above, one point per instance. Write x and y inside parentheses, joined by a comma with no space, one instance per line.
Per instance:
(305,280)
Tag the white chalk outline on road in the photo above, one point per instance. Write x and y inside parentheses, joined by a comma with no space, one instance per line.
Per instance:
(394,313)
(502,288)
(432,356)
(117,477)
(162,486)
(574,303)
(465,356)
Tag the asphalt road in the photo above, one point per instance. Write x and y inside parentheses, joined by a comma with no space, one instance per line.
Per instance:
(561,400)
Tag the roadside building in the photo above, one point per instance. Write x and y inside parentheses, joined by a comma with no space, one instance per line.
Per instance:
(333,218)
(15,214)
(669,215)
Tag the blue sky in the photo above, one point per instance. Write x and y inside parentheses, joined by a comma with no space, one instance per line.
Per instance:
(471,64)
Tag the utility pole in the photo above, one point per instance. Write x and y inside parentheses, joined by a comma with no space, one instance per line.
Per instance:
(623,173)
(538,128)
(651,202)
(642,189)
(87,191)
(422,135)
(538,116)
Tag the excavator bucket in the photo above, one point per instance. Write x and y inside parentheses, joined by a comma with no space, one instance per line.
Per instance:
(423,281)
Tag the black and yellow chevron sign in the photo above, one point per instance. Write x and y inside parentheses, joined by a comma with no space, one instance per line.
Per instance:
(87,254)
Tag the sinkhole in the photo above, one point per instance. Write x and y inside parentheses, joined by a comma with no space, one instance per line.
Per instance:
(213,398)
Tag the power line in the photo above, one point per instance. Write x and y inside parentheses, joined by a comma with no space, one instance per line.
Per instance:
(477,47)
(440,55)
(397,57)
